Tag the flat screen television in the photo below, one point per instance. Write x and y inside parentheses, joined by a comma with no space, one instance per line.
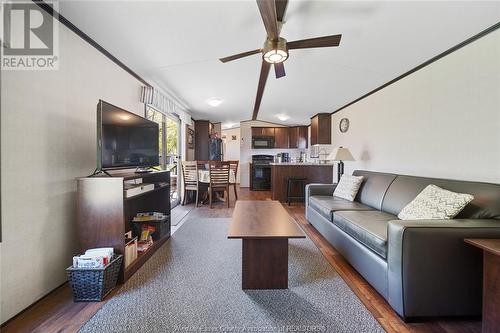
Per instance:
(124,139)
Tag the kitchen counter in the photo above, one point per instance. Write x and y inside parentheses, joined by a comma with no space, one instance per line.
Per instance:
(302,164)
(313,172)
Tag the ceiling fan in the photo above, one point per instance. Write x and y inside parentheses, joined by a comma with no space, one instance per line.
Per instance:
(275,49)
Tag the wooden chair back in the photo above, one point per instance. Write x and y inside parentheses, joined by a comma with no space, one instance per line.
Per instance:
(233,166)
(219,174)
(190,174)
(202,165)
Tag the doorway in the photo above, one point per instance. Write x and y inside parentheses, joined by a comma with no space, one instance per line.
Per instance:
(172,157)
(169,148)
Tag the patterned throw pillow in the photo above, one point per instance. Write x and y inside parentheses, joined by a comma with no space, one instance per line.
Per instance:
(348,187)
(435,203)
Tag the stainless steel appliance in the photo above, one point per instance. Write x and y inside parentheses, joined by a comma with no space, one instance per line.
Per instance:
(262,142)
(261,172)
(215,149)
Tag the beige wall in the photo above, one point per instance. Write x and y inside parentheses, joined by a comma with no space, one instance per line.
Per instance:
(441,121)
(232,147)
(48,139)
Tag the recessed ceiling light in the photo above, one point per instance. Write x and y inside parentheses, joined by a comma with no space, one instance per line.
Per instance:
(282,116)
(214,102)
(124,117)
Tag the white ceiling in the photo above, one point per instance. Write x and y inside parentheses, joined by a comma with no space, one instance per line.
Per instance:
(176,44)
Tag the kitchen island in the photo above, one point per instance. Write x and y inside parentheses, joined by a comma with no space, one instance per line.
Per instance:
(314,172)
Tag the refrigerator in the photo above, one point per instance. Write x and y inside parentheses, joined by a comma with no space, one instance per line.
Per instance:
(215,150)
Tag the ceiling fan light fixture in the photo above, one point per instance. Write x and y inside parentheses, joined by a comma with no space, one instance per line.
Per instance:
(275,56)
(275,52)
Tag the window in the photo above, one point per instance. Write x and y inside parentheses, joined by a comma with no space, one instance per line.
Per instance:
(168,140)
(158,117)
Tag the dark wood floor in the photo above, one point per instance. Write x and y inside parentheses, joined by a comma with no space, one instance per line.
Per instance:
(57,312)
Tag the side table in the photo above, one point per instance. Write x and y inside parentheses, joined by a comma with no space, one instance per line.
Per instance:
(491,282)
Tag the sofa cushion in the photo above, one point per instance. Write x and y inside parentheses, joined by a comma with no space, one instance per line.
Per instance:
(367,227)
(486,203)
(373,188)
(325,205)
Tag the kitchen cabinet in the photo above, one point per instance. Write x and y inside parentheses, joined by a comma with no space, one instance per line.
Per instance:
(303,137)
(285,137)
(297,137)
(293,134)
(281,137)
(256,131)
(314,173)
(321,129)
(263,131)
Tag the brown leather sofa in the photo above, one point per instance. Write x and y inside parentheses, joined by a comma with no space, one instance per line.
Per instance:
(421,267)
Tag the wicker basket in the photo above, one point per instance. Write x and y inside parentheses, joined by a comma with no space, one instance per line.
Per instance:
(93,284)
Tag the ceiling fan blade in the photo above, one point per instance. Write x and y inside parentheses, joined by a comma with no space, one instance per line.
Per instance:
(326,41)
(279,70)
(240,55)
(267,10)
(264,73)
(281,9)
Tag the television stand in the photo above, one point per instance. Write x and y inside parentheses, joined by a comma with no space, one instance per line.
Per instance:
(143,170)
(104,214)
(98,171)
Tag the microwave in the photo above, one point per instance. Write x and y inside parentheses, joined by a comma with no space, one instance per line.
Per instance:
(262,142)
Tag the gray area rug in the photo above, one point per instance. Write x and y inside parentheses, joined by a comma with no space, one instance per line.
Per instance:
(193,284)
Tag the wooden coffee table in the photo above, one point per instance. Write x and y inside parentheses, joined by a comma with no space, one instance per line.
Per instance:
(264,227)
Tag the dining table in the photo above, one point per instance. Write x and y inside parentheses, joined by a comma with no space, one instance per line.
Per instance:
(204,176)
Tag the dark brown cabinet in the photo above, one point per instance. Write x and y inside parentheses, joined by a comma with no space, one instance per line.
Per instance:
(263,131)
(281,137)
(256,131)
(202,131)
(313,174)
(297,137)
(284,137)
(321,129)
(302,139)
(293,134)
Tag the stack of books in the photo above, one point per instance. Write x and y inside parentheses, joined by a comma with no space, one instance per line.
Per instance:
(145,239)
(143,246)
(149,217)
(130,249)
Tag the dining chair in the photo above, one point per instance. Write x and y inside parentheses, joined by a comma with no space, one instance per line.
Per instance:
(202,165)
(233,167)
(190,177)
(219,179)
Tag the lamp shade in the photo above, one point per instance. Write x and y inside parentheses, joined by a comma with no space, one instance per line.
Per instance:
(340,154)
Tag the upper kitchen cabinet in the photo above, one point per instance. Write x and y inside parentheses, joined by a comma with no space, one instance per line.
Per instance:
(263,131)
(281,137)
(321,129)
(297,137)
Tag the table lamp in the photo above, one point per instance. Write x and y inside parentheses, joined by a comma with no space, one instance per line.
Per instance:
(340,154)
